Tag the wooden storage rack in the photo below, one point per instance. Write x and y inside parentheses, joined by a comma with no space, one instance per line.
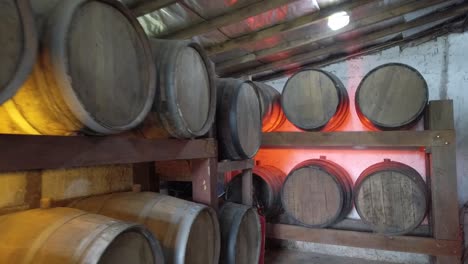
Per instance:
(438,141)
(25,152)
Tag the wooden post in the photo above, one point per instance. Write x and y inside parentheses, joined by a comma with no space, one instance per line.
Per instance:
(247,187)
(204,175)
(443,179)
(144,174)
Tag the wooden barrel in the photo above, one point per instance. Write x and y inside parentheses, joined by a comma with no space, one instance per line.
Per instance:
(270,103)
(317,193)
(18,40)
(391,198)
(238,119)
(315,100)
(71,236)
(189,232)
(267,182)
(94,73)
(240,234)
(185,102)
(392,96)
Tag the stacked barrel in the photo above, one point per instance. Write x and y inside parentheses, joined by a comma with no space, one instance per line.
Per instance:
(389,197)
(86,67)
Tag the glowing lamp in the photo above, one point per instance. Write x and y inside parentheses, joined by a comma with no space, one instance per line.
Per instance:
(338,20)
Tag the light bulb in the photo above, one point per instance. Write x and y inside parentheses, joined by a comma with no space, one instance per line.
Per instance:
(338,20)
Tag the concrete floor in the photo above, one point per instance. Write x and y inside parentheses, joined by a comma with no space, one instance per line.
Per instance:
(284,256)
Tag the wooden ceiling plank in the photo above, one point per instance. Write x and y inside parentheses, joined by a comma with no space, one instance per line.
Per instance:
(143,7)
(227,19)
(299,59)
(297,23)
(385,14)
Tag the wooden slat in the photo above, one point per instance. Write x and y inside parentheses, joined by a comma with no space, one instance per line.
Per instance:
(227,166)
(144,174)
(443,178)
(227,19)
(204,180)
(143,7)
(382,15)
(297,23)
(247,188)
(411,244)
(50,152)
(300,59)
(358,139)
(354,225)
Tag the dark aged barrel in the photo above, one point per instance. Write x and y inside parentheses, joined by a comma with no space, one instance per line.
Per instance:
(94,73)
(71,236)
(392,96)
(270,103)
(267,182)
(240,234)
(315,100)
(18,42)
(189,232)
(238,120)
(391,197)
(317,193)
(185,103)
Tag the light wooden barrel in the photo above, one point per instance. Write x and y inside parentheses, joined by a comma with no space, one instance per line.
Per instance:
(270,103)
(189,232)
(238,119)
(315,100)
(267,182)
(391,198)
(94,73)
(71,236)
(392,96)
(240,234)
(185,103)
(18,42)
(317,193)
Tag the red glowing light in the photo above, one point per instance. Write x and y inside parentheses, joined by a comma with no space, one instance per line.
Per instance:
(230,2)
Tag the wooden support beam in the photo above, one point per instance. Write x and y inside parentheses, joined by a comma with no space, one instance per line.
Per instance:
(247,188)
(422,245)
(204,181)
(300,59)
(143,7)
(443,179)
(144,175)
(358,139)
(227,19)
(297,23)
(386,13)
(21,152)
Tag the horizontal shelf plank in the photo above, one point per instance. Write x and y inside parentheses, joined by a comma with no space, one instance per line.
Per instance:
(421,245)
(358,139)
(227,166)
(24,152)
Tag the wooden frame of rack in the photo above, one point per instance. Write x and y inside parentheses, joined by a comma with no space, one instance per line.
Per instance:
(26,152)
(438,141)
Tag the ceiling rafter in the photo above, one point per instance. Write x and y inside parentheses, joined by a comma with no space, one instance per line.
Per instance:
(143,7)
(380,16)
(227,19)
(412,41)
(294,24)
(301,59)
